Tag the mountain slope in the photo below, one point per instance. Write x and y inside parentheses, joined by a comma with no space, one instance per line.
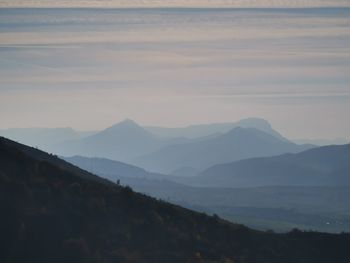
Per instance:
(56,215)
(110,169)
(239,143)
(327,165)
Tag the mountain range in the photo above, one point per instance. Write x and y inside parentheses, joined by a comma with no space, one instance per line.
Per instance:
(121,142)
(188,171)
(63,214)
(130,143)
(239,143)
(203,130)
(124,140)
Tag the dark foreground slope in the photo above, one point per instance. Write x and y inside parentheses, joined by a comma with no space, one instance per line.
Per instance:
(53,213)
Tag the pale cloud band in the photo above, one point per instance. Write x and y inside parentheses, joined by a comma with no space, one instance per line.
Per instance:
(176,3)
(89,68)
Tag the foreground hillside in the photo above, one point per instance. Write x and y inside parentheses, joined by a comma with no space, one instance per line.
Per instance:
(53,212)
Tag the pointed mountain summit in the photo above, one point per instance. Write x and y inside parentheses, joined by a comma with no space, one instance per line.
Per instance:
(125,128)
(125,124)
(120,142)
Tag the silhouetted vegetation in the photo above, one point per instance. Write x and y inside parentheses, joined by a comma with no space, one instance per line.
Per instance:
(54,212)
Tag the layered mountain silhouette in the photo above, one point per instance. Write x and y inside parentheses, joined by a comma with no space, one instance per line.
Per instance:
(203,130)
(239,143)
(60,213)
(327,165)
(121,141)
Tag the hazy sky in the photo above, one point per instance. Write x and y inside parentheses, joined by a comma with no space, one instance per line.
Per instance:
(174,3)
(90,68)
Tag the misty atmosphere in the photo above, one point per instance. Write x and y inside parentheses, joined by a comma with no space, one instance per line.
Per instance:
(175,131)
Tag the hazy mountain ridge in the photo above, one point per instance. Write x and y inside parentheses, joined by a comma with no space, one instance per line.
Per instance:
(121,141)
(327,165)
(202,130)
(322,142)
(128,142)
(238,143)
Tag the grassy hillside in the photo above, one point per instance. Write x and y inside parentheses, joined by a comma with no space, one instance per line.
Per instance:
(54,213)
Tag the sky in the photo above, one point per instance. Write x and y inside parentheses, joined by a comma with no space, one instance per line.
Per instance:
(90,68)
(174,3)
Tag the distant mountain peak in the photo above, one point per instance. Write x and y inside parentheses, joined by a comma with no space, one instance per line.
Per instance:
(128,121)
(125,124)
(256,121)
